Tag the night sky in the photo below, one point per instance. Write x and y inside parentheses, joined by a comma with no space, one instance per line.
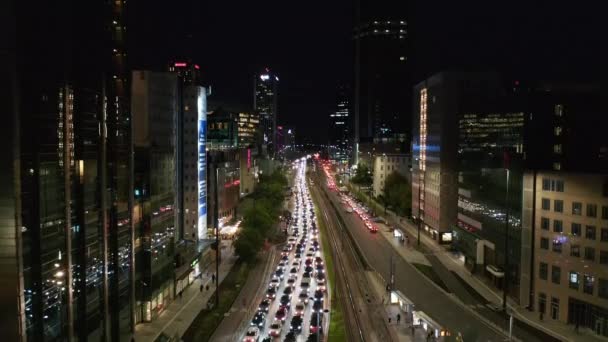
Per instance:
(308,44)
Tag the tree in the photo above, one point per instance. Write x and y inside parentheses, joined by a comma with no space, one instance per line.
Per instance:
(260,215)
(245,248)
(397,193)
(363,176)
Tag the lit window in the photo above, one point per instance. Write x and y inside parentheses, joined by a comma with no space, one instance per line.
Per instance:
(574,280)
(557,148)
(558,131)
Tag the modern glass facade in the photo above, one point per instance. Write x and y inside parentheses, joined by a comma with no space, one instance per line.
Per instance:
(75,172)
(155,116)
(265,95)
(488,144)
(340,127)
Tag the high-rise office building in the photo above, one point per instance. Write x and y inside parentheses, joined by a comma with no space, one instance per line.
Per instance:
(340,126)
(475,137)
(154,108)
(189,73)
(437,102)
(265,97)
(382,86)
(191,139)
(74,249)
(194,162)
(222,129)
(249,123)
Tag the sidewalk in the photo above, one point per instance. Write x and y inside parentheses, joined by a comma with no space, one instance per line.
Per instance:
(453,263)
(178,316)
(233,325)
(401,331)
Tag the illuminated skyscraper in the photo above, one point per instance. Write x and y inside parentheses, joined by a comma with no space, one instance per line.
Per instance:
(265,94)
(340,126)
(382,91)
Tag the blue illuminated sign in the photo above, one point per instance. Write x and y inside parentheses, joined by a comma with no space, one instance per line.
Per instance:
(202,163)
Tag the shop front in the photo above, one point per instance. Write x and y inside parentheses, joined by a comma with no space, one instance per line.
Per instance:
(398,233)
(150,310)
(405,305)
(423,321)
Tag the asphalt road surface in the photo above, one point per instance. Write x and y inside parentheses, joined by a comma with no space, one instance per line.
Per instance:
(427,298)
(304,226)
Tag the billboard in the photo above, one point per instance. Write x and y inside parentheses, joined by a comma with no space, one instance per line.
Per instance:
(202,163)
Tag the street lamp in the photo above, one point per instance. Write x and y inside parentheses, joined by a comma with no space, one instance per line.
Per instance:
(506,263)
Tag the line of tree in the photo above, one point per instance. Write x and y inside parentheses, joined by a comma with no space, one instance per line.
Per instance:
(363,175)
(260,215)
(397,194)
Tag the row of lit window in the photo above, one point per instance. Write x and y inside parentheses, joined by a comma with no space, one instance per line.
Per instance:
(575,229)
(574,280)
(577,208)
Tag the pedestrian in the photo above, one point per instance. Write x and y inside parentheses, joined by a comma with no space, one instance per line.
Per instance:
(201,288)
(398,318)
(389,320)
(213,277)
(429,335)
(207,287)
(180,295)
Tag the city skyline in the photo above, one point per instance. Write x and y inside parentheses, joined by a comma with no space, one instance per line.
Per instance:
(351,170)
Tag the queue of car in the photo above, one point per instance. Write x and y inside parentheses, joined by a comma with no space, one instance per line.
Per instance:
(298,286)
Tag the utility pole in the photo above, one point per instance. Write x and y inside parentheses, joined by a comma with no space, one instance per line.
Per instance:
(216,223)
(392,281)
(419,204)
(506,265)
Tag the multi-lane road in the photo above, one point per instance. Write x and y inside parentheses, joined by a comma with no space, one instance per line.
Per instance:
(428,298)
(295,304)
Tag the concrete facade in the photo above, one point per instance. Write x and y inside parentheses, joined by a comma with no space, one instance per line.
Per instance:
(567,229)
(386,164)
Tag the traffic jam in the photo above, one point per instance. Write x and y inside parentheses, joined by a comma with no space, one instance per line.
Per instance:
(295,304)
(350,205)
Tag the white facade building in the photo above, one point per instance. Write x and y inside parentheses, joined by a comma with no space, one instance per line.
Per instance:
(385,164)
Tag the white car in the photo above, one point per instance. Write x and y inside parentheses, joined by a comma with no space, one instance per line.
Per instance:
(275,329)
(252,335)
(275,282)
(305,283)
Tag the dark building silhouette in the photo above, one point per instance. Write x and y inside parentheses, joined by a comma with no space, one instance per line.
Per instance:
(72,175)
(340,126)
(382,90)
(265,99)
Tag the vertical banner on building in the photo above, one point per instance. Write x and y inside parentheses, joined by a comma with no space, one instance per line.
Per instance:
(202,163)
